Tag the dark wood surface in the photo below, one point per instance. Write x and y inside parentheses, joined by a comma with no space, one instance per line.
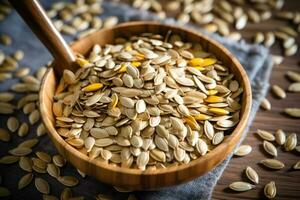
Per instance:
(36,18)
(286,180)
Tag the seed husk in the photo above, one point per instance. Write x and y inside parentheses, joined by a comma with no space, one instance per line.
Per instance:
(279,92)
(42,186)
(293,112)
(265,104)
(26,164)
(13,124)
(293,76)
(291,142)
(243,150)
(294,87)
(58,160)
(53,170)
(4,135)
(252,175)
(29,143)
(20,151)
(270,190)
(25,180)
(265,135)
(68,181)
(240,186)
(280,137)
(270,148)
(23,129)
(8,159)
(272,163)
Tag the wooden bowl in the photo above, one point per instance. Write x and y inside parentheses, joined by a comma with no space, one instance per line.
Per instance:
(135,178)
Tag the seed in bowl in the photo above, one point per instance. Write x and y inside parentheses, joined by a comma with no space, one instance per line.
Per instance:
(147,102)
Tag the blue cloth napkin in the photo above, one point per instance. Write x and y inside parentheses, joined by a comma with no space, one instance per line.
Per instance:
(255,59)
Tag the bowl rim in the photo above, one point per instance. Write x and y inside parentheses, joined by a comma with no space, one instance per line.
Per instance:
(235,135)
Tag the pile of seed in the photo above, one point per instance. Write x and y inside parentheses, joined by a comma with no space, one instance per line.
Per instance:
(150,101)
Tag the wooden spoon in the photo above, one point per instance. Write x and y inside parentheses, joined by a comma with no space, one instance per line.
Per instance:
(36,18)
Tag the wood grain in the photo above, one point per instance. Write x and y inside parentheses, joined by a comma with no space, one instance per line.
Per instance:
(149,179)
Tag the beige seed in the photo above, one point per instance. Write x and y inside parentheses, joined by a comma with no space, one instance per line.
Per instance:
(243,150)
(265,104)
(13,124)
(140,106)
(25,180)
(272,163)
(280,137)
(42,186)
(4,135)
(292,50)
(241,186)
(209,129)
(291,142)
(6,96)
(293,76)
(22,72)
(68,181)
(278,91)
(270,190)
(58,160)
(252,174)
(294,87)
(19,55)
(41,130)
(110,22)
(142,160)
(43,156)
(26,164)
(69,77)
(5,39)
(34,116)
(20,151)
(270,148)
(265,135)
(29,143)
(53,170)
(8,159)
(23,130)
(293,112)
(201,147)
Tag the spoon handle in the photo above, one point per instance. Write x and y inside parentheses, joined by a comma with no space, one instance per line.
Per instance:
(36,18)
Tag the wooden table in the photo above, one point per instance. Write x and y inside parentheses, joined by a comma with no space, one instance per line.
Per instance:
(287,181)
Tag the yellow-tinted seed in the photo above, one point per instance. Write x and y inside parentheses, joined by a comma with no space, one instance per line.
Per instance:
(128,48)
(139,56)
(212,92)
(208,61)
(202,117)
(195,62)
(200,68)
(214,99)
(218,111)
(82,62)
(135,64)
(92,87)
(123,68)
(114,100)
(192,123)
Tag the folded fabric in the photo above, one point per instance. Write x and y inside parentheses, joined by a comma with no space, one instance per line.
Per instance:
(255,59)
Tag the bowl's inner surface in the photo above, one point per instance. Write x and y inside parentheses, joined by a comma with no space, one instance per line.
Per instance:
(172,175)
